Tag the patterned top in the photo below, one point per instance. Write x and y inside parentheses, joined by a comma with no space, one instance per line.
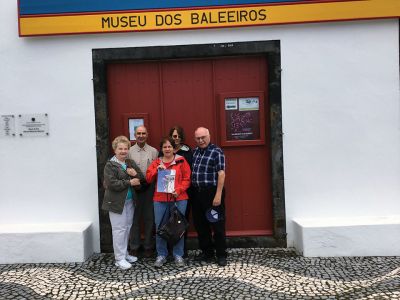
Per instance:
(206,164)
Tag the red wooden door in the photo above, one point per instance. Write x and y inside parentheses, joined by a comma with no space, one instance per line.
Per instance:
(186,92)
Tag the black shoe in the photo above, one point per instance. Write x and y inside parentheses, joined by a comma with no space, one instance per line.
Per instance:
(221,261)
(204,257)
(134,252)
(148,253)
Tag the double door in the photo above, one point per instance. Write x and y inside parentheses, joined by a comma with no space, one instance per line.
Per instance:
(220,94)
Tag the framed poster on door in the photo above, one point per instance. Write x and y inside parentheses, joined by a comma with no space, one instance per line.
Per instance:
(133,120)
(242,119)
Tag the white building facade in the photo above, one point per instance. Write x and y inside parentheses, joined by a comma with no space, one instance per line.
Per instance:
(340,102)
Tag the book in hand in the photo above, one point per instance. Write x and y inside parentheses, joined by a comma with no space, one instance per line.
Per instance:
(166,181)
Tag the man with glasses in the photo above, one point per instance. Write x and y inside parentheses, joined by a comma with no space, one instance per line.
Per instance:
(143,154)
(208,177)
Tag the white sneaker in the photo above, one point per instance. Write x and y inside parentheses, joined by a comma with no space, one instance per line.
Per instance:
(179,261)
(123,264)
(131,258)
(160,260)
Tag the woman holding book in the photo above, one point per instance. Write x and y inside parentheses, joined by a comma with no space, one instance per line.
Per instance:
(178,176)
(178,135)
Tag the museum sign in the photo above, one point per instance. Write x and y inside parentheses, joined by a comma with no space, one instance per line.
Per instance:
(49,17)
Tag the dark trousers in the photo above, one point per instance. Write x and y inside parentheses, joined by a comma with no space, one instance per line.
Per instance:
(187,215)
(144,212)
(201,202)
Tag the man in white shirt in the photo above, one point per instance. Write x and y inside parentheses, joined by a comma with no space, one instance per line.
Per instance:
(143,154)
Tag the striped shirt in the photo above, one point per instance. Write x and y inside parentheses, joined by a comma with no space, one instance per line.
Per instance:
(206,164)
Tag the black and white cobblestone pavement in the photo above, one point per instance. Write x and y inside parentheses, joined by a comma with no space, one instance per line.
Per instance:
(250,274)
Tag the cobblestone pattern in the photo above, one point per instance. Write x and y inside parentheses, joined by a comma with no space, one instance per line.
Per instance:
(250,274)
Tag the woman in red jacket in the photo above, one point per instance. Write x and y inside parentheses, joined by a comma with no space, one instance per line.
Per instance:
(178,165)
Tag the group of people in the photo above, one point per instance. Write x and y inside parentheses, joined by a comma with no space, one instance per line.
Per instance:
(131,196)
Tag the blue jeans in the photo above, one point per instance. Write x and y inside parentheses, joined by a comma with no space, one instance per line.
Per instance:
(161,244)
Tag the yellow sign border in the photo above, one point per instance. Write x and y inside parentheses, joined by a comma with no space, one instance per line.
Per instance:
(208,18)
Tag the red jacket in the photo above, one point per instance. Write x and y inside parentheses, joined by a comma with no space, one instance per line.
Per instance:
(182,178)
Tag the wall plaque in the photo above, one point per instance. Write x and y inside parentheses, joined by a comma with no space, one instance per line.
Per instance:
(7,125)
(33,125)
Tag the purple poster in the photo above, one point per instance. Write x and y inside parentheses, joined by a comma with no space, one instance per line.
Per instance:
(242,118)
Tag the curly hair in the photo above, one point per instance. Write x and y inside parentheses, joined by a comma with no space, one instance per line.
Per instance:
(120,140)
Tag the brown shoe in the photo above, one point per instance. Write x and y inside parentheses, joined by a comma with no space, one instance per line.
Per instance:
(147,253)
(134,252)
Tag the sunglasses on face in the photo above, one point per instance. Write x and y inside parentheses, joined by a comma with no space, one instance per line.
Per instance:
(175,136)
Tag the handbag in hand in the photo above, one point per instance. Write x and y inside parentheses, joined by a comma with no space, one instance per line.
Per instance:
(174,225)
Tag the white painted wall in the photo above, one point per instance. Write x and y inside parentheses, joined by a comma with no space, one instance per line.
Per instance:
(341,121)
(341,118)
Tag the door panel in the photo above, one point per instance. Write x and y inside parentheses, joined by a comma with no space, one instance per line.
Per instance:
(134,88)
(185,92)
(248,170)
(188,98)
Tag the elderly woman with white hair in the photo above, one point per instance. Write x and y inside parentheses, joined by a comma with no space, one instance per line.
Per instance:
(121,178)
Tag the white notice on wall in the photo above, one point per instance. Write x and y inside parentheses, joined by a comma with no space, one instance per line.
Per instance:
(250,103)
(133,124)
(33,125)
(7,125)
(231,104)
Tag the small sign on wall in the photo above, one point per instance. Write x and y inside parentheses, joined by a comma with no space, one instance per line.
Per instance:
(7,125)
(33,125)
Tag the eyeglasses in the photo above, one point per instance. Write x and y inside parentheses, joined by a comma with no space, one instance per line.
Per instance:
(201,138)
(175,136)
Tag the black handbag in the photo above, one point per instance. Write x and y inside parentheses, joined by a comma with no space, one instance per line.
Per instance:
(173,225)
